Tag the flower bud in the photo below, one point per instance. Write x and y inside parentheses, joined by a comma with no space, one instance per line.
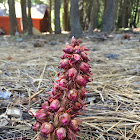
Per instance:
(74,125)
(76,57)
(65,55)
(45,105)
(46,128)
(73,39)
(63,83)
(36,127)
(73,95)
(77,49)
(84,67)
(61,133)
(62,76)
(64,119)
(72,73)
(55,89)
(55,105)
(81,93)
(84,56)
(68,49)
(81,81)
(77,106)
(41,115)
(74,42)
(64,64)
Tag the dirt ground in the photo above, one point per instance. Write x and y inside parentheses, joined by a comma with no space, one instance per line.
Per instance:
(28,67)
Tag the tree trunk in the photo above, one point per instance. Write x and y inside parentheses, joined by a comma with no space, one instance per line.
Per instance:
(30,25)
(87,13)
(93,16)
(24,16)
(108,23)
(75,20)
(57,16)
(81,12)
(123,13)
(66,15)
(12,17)
(50,16)
(119,22)
(136,12)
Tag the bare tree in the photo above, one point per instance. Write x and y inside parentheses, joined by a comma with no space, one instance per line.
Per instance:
(24,16)
(75,20)
(108,23)
(30,25)
(57,16)
(12,17)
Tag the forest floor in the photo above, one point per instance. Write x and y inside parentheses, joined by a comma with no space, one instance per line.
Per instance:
(28,67)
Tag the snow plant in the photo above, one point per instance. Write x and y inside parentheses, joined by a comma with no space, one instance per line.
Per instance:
(56,119)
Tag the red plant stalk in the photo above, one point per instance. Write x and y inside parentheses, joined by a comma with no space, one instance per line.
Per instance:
(56,118)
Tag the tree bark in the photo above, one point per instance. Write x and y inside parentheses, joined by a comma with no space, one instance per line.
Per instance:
(88,4)
(66,15)
(50,16)
(30,25)
(119,23)
(124,13)
(93,16)
(12,17)
(81,12)
(57,16)
(75,20)
(24,16)
(108,23)
(136,12)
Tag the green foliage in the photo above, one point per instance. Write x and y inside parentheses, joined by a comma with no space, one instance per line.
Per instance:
(39,1)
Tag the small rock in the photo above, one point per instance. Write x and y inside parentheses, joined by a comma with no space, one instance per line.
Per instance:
(39,43)
(5,94)
(91,99)
(112,56)
(3,122)
(13,112)
(19,40)
(137,82)
(52,42)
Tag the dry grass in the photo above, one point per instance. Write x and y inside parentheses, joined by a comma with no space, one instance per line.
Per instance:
(113,112)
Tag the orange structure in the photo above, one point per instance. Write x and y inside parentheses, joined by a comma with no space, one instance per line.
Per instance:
(4,24)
